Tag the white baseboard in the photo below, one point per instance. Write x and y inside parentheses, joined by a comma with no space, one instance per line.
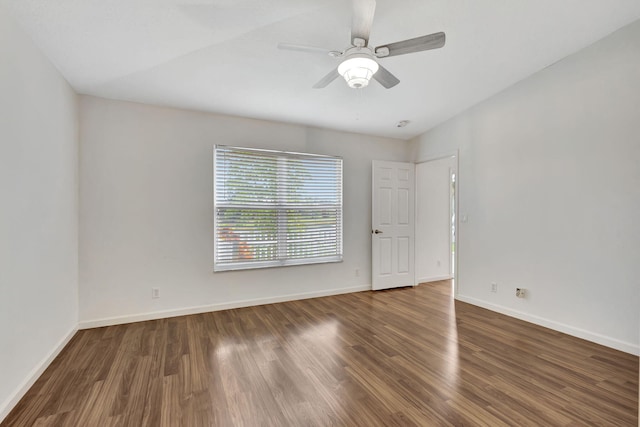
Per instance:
(110,321)
(35,373)
(433,279)
(556,326)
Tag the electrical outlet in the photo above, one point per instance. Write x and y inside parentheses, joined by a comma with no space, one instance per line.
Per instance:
(155,293)
(494,287)
(357,272)
(521,292)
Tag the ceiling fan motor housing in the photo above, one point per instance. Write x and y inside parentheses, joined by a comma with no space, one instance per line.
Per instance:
(358,68)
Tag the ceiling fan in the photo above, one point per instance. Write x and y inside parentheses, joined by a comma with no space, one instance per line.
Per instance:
(360,60)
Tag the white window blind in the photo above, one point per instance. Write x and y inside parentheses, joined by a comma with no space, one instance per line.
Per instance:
(275,208)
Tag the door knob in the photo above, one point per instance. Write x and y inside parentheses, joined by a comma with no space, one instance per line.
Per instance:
(377,232)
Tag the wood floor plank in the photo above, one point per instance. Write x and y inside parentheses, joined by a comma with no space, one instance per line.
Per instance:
(402,357)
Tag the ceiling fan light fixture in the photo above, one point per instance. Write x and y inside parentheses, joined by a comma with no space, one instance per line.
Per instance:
(358,70)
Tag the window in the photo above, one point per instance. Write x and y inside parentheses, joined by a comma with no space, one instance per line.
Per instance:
(275,208)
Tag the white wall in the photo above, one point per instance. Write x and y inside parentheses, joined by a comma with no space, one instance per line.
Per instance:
(550,180)
(38,212)
(433,219)
(146,211)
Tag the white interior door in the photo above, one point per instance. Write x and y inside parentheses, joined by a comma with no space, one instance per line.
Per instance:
(392,234)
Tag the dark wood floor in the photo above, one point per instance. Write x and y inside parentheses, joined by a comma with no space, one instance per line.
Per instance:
(401,357)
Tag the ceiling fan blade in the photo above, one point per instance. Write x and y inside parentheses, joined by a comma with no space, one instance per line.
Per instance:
(362,19)
(303,48)
(327,79)
(432,41)
(385,78)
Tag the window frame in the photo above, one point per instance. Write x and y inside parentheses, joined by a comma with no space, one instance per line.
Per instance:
(280,208)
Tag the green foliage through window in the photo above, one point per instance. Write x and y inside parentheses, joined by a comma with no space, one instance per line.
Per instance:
(276,208)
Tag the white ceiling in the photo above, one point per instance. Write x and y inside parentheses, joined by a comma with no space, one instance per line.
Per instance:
(221,56)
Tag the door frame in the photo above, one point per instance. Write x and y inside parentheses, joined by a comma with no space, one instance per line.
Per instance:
(446,155)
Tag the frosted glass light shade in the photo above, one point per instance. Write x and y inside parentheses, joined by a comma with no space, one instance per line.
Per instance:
(357,71)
